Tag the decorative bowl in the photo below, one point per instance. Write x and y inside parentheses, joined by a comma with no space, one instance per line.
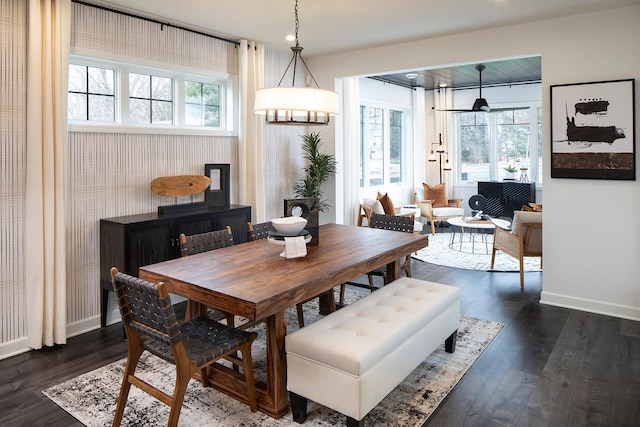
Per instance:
(291,225)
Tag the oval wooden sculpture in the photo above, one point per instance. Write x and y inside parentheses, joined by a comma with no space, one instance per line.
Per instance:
(180,185)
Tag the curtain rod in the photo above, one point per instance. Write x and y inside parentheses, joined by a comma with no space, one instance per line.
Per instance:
(121,12)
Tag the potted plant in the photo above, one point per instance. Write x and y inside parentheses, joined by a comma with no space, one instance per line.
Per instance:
(320,167)
(511,171)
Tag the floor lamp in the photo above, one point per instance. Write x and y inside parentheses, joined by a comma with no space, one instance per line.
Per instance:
(441,154)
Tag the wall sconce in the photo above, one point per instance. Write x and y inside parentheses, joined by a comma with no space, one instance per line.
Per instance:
(441,154)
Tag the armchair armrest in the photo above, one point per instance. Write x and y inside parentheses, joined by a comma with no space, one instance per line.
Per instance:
(454,202)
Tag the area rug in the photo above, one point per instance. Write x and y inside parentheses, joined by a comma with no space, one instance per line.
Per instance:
(470,258)
(91,397)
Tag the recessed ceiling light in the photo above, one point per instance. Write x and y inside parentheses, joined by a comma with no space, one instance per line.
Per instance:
(442,85)
(290,37)
(411,75)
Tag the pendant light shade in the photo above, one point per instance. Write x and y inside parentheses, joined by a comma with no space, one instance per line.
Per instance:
(296,105)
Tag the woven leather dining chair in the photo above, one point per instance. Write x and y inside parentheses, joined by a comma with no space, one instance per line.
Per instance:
(150,324)
(385,222)
(204,242)
(258,231)
(196,243)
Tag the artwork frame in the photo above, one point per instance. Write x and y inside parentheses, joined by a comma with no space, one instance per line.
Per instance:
(593,130)
(219,192)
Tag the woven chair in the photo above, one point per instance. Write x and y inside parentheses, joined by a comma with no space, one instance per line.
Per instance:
(150,324)
(385,222)
(197,243)
(261,231)
(258,231)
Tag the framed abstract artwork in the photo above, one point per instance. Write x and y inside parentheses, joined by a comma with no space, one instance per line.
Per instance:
(593,130)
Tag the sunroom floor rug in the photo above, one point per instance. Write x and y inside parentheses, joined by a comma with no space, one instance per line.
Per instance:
(91,397)
(467,257)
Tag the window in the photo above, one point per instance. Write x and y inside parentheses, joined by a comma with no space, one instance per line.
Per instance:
(490,142)
(91,93)
(202,104)
(115,95)
(382,146)
(150,99)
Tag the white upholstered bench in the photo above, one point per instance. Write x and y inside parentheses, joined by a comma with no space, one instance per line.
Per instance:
(352,358)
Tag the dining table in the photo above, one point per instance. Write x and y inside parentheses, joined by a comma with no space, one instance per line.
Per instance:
(254,281)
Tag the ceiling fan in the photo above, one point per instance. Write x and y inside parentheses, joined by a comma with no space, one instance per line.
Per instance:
(481,104)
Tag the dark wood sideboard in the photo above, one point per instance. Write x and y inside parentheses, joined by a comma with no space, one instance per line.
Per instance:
(504,197)
(129,242)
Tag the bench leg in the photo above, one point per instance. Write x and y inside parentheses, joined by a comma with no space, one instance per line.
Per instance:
(352,422)
(450,343)
(298,407)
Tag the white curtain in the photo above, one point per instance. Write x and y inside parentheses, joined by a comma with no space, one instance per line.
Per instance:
(250,145)
(350,140)
(48,62)
(420,141)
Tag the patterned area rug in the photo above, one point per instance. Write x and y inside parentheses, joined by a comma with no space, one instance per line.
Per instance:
(91,397)
(469,255)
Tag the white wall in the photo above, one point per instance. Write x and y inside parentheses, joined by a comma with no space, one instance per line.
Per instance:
(591,230)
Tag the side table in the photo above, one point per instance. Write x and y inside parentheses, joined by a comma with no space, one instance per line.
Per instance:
(473,229)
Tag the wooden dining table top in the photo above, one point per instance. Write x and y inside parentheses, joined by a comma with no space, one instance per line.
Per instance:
(254,281)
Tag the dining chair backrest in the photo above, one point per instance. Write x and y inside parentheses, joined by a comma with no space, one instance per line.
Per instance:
(196,243)
(146,308)
(392,222)
(258,231)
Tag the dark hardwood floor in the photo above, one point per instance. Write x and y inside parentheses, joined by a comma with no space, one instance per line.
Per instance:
(548,366)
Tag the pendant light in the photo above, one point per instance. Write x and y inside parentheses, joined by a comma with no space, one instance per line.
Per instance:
(296,105)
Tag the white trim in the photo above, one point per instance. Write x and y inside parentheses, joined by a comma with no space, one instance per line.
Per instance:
(591,306)
(178,74)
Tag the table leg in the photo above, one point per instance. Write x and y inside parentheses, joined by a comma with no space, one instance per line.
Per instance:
(393,271)
(276,365)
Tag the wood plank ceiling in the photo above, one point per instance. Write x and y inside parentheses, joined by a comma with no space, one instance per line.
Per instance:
(496,73)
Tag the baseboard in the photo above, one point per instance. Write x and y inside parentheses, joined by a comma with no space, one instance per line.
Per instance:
(591,306)
(13,348)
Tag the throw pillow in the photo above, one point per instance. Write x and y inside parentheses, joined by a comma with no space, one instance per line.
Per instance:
(387,204)
(375,205)
(437,193)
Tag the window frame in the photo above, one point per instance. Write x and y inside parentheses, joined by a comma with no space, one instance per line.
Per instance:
(227,99)
(534,171)
(406,145)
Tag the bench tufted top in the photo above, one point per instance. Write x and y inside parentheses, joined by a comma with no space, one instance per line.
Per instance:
(355,338)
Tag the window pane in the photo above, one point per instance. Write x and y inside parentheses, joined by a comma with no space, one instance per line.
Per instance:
(211,94)
(192,115)
(139,111)
(363,147)
(538,176)
(161,112)
(212,116)
(162,88)
(395,141)
(375,146)
(102,108)
(139,86)
(77,78)
(513,142)
(474,146)
(202,108)
(100,81)
(193,92)
(77,106)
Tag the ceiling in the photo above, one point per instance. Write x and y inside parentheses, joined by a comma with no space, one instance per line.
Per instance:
(332,26)
(497,73)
